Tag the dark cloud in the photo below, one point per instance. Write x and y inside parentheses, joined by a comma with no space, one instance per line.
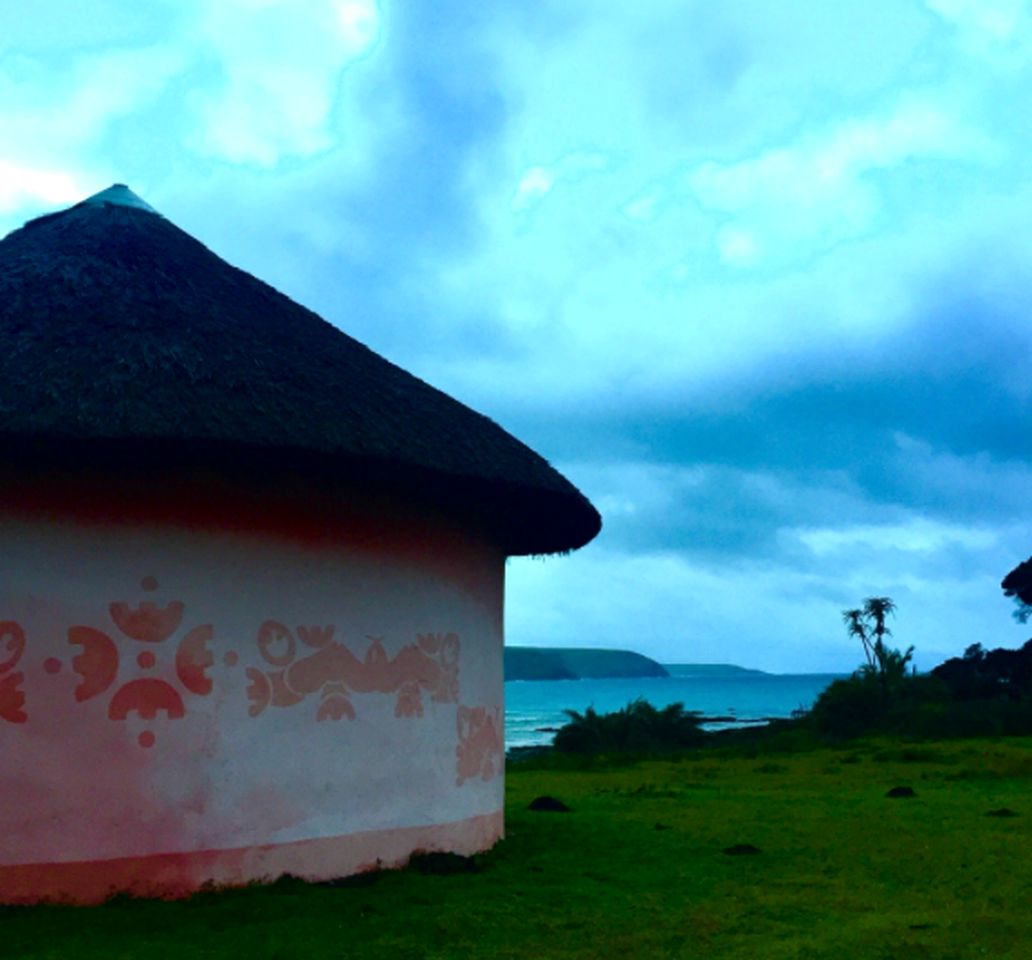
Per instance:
(924,424)
(951,385)
(718,513)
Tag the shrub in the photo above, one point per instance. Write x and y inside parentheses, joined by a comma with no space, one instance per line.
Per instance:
(637,728)
(862,704)
(850,707)
(981,674)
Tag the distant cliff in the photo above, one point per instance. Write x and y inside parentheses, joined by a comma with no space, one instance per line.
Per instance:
(708,670)
(573,663)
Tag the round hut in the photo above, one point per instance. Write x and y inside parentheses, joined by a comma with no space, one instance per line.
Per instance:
(251,592)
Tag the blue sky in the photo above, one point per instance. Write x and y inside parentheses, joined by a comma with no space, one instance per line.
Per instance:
(754,275)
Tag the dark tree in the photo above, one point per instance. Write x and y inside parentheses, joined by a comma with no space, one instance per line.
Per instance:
(989,674)
(1018,584)
(982,674)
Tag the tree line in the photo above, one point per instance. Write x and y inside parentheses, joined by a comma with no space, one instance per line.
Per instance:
(981,692)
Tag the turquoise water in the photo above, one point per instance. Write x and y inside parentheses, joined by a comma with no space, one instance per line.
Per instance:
(532,706)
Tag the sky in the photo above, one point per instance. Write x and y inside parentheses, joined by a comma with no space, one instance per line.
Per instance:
(754,275)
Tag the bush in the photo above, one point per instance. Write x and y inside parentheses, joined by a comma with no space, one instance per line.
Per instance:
(862,704)
(637,728)
(920,706)
(851,707)
(995,717)
(982,674)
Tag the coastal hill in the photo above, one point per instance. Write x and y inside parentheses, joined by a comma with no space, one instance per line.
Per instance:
(710,670)
(573,663)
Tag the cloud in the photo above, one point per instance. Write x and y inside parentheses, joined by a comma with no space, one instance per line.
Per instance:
(796,200)
(917,535)
(773,617)
(1000,29)
(716,512)
(247,82)
(538,181)
(894,463)
(278,66)
(70,107)
(24,186)
(55,118)
(368,233)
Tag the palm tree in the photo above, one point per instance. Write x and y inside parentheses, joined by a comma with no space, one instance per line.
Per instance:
(868,625)
(876,609)
(857,627)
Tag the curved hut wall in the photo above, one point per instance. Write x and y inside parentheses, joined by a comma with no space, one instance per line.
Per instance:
(198,686)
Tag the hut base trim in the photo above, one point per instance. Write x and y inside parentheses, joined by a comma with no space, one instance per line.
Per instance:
(175,875)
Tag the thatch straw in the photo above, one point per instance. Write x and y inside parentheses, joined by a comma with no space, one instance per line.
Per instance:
(123,337)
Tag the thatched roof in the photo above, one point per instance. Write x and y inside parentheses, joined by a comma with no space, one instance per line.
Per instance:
(122,334)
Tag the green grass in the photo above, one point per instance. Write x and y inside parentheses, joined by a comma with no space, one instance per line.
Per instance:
(637,869)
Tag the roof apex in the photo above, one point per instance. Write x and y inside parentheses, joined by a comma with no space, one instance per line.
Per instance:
(119,195)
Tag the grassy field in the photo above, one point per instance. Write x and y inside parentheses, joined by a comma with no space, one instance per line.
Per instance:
(638,869)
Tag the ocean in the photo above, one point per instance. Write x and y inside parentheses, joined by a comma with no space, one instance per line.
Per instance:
(534,708)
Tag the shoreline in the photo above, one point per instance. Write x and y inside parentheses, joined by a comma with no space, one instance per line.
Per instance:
(726,721)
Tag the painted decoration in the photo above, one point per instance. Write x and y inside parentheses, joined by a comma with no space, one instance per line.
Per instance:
(335,675)
(481,748)
(12,698)
(98,663)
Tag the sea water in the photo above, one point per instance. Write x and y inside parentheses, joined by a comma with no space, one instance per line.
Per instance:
(534,708)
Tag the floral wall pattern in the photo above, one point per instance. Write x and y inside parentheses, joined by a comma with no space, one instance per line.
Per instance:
(101,658)
(12,698)
(335,675)
(481,749)
(301,664)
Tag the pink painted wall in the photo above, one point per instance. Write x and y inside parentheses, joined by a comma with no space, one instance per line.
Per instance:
(185,702)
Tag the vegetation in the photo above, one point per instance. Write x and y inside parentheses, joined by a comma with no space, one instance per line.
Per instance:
(868,625)
(639,727)
(983,693)
(1018,585)
(979,694)
(638,869)
(993,674)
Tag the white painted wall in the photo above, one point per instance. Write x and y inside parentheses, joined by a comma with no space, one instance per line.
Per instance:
(79,784)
